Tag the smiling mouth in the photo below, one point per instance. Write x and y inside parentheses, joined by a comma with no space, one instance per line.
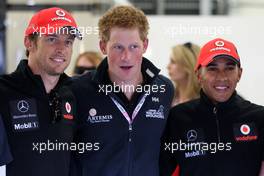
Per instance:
(126,67)
(221,88)
(58,59)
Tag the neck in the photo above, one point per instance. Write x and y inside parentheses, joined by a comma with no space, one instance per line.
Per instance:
(129,86)
(49,81)
(182,93)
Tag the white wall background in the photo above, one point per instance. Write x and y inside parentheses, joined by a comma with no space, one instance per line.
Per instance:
(166,31)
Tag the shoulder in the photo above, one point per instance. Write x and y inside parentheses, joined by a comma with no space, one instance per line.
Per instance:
(187,106)
(9,81)
(248,106)
(83,83)
(164,81)
(185,111)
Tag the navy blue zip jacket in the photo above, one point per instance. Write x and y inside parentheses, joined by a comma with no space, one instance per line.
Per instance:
(118,148)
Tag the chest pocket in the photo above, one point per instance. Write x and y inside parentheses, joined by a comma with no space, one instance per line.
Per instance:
(24,115)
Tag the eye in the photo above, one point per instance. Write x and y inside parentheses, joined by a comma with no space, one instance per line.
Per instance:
(118,47)
(51,39)
(69,42)
(134,46)
(172,61)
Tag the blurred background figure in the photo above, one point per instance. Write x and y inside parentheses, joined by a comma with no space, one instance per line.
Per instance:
(87,61)
(181,72)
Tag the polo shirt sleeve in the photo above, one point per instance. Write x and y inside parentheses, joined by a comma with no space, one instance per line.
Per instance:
(5,155)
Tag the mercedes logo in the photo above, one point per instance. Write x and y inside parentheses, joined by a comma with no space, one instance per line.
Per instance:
(23,106)
(191,136)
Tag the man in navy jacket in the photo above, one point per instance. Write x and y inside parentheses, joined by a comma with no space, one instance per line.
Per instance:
(123,106)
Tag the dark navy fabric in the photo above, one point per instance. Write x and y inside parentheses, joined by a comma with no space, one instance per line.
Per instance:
(123,150)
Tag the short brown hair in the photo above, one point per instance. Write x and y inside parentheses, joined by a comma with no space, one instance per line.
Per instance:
(124,17)
(32,37)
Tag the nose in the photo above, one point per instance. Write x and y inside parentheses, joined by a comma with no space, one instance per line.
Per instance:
(222,75)
(126,55)
(60,47)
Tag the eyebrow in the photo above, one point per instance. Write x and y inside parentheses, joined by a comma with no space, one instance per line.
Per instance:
(71,37)
(228,64)
(51,35)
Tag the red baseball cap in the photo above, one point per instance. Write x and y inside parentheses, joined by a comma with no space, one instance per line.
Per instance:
(215,49)
(52,20)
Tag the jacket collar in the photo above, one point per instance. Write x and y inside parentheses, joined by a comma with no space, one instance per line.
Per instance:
(148,69)
(230,104)
(25,76)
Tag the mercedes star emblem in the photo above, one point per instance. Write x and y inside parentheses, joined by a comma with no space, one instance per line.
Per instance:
(191,135)
(23,106)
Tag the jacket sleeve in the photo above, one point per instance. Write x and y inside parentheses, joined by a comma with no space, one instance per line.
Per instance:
(167,159)
(5,155)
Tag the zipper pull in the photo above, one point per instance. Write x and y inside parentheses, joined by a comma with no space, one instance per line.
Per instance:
(130,132)
(215,110)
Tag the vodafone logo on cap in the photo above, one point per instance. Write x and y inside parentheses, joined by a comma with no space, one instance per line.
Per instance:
(219,43)
(60,13)
(245,129)
(68,107)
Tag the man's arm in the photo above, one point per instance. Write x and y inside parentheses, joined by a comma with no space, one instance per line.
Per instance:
(5,154)
(167,160)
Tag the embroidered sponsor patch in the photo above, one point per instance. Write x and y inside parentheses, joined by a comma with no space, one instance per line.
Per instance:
(245,132)
(24,114)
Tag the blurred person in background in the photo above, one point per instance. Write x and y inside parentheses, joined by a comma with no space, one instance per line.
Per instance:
(87,61)
(181,72)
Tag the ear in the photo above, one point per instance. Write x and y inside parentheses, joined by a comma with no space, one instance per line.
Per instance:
(28,44)
(199,75)
(102,45)
(145,45)
(240,70)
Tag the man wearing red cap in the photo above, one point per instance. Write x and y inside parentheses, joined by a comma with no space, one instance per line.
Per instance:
(37,110)
(219,134)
